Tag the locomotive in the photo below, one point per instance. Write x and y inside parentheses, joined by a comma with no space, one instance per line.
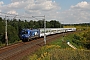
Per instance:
(28,34)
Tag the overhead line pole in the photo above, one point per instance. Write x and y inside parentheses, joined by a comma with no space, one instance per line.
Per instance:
(44,27)
(6,37)
(44,30)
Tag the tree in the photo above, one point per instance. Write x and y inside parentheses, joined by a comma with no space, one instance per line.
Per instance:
(48,25)
(26,24)
(0,19)
(31,24)
(57,24)
(12,34)
(2,30)
(54,24)
(41,23)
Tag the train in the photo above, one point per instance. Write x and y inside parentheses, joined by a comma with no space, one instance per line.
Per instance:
(30,34)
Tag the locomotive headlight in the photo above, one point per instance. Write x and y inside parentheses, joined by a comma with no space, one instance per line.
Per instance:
(27,35)
(22,35)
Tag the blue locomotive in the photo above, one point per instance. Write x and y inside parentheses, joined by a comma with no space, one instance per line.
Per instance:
(28,34)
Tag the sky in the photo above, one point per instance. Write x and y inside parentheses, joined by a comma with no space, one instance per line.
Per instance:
(64,11)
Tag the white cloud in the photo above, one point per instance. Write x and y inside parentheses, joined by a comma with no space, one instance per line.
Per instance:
(18,0)
(12,12)
(82,4)
(1,2)
(79,13)
(32,7)
(76,14)
(16,5)
(41,6)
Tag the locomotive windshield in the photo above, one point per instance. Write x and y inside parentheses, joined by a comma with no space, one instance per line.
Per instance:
(24,32)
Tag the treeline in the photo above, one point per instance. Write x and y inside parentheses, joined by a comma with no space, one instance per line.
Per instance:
(15,26)
(80,24)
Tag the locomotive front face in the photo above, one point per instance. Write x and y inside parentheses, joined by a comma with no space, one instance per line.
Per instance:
(24,34)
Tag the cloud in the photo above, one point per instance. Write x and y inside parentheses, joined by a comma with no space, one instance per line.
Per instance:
(14,6)
(31,6)
(1,2)
(80,13)
(12,12)
(42,6)
(82,4)
(75,14)
(17,0)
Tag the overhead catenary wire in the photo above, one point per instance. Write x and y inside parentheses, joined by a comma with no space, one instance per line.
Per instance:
(13,15)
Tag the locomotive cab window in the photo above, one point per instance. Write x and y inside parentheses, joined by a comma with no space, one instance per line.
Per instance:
(24,32)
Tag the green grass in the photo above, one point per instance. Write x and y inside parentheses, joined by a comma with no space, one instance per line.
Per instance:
(62,41)
(54,52)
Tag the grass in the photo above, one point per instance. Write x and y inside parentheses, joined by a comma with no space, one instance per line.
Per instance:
(62,41)
(54,52)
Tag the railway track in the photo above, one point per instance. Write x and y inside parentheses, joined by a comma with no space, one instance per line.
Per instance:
(17,51)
